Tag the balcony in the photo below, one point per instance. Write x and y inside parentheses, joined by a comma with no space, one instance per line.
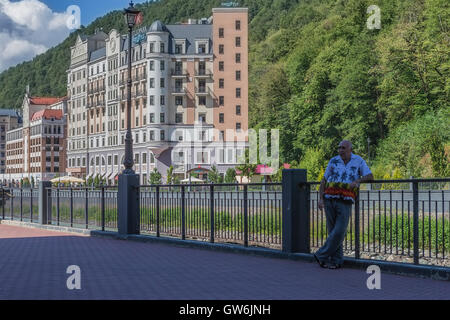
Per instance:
(178,73)
(203,73)
(202,91)
(179,91)
(139,94)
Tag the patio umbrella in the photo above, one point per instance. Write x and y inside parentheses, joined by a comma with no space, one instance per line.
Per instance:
(67,179)
(191,179)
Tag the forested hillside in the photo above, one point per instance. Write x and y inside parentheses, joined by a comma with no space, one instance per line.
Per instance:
(320,75)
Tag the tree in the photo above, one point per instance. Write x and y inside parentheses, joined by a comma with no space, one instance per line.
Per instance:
(155,177)
(230,176)
(214,176)
(170,175)
(247,169)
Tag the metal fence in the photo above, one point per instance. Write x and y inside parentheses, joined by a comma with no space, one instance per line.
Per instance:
(87,208)
(247,214)
(395,220)
(405,221)
(20,204)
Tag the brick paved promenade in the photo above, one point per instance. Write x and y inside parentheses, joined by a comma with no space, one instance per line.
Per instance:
(33,265)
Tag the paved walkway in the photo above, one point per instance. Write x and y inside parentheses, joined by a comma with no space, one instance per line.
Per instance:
(33,265)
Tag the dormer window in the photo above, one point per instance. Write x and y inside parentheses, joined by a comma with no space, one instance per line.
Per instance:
(179,46)
(202,46)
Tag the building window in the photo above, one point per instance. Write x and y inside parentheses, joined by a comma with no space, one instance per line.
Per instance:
(238,41)
(202,48)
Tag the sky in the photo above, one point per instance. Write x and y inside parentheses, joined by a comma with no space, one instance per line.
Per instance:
(31,27)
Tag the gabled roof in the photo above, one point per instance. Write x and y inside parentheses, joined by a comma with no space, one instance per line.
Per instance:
(47,114)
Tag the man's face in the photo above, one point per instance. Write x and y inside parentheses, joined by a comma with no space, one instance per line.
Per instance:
(344,150)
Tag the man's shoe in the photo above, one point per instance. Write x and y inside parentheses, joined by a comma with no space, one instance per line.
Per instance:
(321,264)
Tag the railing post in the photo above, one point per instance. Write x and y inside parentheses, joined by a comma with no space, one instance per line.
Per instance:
(31,204)
(211,202)
(57,207)
(103,208)
(11,208)
(415,188)
(21,203)
(128,204)
(3,204)
(357,234)
(157,212)
(183,213)
(296,220)
(245,216)
(86,208)
(44,202)
(71,207)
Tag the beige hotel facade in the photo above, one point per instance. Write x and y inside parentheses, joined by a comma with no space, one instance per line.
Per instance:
(189,98)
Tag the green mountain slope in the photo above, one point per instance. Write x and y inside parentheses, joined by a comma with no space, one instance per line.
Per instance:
(319,75)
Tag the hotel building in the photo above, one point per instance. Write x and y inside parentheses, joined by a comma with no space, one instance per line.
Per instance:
(189,87)
(37,150)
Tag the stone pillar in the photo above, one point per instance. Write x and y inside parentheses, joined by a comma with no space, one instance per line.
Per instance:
(45,203)
(128,204)
(296,220)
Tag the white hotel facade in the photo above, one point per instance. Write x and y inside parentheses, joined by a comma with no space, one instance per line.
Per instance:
(189,98)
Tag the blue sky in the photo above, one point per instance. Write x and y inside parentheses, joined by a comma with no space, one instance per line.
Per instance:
(90,9)
(30,27)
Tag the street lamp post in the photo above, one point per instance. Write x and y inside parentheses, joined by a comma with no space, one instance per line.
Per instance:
(128,192)
(130,16)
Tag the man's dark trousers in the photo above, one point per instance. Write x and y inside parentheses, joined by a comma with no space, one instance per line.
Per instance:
(338,214)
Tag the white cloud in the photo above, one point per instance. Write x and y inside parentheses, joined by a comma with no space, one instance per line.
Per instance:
(28,28)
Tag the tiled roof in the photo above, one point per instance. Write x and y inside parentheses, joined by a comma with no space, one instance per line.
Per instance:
(45,101)
(47,114)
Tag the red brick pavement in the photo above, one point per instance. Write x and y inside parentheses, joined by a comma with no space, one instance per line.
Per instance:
(33,265)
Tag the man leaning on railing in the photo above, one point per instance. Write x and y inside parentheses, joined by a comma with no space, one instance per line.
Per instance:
(338,191)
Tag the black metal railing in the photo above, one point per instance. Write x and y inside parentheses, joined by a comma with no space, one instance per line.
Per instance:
(247,214)
(87,208)
(395,220)
(19,204)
